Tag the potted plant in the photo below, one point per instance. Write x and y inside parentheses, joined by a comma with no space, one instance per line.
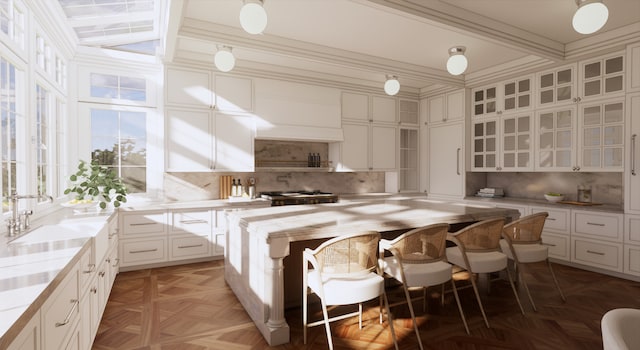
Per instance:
(97,182)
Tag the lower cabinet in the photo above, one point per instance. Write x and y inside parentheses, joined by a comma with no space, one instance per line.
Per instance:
(29,337)
(557,231)
(632,245)
(604,255)
(60,313)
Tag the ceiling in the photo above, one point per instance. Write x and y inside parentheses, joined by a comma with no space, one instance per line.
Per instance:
(363,40)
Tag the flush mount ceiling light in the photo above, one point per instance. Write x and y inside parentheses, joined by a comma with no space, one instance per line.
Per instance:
(224,59)
(392,85)
(590,16)
(253,17)
(457,62)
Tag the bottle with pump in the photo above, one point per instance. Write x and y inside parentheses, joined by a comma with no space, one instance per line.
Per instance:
(234,189)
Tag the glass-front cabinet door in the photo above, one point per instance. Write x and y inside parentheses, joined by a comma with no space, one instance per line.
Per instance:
(408,159)
(557,86)
(485,101)
(602,136)
(555,149)
(602,77)
(517,148)
(485,145)
(517,94)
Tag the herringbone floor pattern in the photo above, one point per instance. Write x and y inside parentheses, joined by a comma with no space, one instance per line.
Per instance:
(190,307)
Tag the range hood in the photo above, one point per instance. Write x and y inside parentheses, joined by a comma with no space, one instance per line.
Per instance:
(300,133)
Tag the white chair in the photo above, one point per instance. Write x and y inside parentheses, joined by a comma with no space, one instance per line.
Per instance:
(418,261)
(477,250)
(522,244)
(621,329)
(344,272)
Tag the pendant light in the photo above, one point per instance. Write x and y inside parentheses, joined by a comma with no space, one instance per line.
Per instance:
(224,59)
(457,62)
(590,16)
(253,17)
(392,85)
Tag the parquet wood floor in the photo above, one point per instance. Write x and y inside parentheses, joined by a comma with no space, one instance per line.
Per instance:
(191,307)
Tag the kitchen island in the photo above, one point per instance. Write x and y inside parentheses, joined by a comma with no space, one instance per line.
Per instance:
(259,240)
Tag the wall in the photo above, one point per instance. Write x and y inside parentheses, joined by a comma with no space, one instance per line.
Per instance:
(204,186)
(606,188)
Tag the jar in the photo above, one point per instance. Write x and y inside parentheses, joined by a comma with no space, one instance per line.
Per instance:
(584,194)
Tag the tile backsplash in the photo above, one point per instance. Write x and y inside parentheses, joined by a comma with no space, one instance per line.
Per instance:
(205,186)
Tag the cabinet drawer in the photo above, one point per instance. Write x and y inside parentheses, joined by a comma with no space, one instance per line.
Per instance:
(60,312)
(143,251)
(219,239)
(558,245)
(604,255)
(190,247)
(632,229)
(598,225)
(632,259)
(557,221)
(144,223)
(192,221)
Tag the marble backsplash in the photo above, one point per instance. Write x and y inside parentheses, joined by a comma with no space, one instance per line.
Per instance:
(205,186)
(606,188)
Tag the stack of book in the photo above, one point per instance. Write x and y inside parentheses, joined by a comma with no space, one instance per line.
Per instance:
(490,192)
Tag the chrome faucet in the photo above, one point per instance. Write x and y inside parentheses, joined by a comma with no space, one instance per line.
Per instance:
(20,222)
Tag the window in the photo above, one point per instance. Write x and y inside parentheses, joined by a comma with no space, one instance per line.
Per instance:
(11,131)
(12,22)
(119,141)
(118,87)
(61,148)
(42,140)
(61,72)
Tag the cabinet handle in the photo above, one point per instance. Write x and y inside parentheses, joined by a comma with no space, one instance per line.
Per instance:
(633,154)
(94,290)
(92,267)
(190,246)
(594,224)
(194,221)
(458,161)
(117,262)
(596,253)
(142,223)
(551,219)
(101,273)
(115,233)
(70,314)
(548,244)
(143,251)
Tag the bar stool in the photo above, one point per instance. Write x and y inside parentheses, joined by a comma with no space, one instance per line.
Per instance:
(478,250)
(523,245)
(418,261)
(345,271)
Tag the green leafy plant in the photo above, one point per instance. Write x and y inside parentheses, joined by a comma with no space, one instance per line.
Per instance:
(97,182)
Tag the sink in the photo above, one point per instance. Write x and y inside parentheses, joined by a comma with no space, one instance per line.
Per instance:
(60,232)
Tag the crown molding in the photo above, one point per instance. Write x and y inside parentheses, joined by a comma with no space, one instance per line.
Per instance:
(606,41)
(513,68)
(235,37)
(452,17)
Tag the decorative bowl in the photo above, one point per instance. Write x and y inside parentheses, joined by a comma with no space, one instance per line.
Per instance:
(554,197)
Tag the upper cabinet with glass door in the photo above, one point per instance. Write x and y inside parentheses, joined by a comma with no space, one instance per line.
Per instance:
(507,96)
(601,138)
(602,77)
(557,86)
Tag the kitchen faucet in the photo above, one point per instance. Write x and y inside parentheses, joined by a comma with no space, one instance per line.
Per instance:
(18,223)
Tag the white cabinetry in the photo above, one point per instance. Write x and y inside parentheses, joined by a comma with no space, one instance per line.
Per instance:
(233,94)
(632,244)
(503,144)
(557,231)
(633,68)
(596,239)
(60,313)
(446,160)
(447,107)
(602,76)
(409,113)
(601,137)
(556,139)
(557,86)
(29,337)
(408,159)
(632,164)
(143,238)
(504,97)
(200,140)
(366,147)
(190,234)
(188,87)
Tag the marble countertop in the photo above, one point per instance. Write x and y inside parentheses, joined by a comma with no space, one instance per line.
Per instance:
(544,203)
(32,265)
(304,222)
